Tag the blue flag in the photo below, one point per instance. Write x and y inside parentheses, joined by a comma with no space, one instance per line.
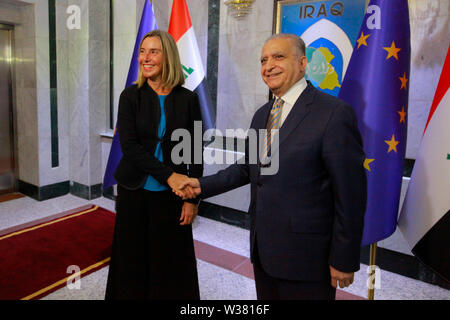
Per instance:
(376,86)
(148,23)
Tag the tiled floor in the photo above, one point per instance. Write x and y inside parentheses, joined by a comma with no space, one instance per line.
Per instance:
(222,250)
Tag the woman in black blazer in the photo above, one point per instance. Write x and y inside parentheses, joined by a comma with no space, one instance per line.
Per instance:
(153,252)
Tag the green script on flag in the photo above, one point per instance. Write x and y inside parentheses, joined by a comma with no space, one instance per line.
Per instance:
(188,71)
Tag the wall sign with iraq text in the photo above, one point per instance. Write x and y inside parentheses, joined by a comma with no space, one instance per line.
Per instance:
(330,30)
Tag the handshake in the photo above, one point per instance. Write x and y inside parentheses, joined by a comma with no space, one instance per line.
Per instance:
(183,186)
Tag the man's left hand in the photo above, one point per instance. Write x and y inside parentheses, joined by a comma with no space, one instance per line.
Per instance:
(345,279)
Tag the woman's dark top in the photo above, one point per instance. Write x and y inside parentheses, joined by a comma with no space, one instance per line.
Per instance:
(138,120)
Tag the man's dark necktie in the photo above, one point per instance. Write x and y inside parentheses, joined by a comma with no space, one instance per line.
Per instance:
(273,123)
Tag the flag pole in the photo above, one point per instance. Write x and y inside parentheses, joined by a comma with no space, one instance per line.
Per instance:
(372,261)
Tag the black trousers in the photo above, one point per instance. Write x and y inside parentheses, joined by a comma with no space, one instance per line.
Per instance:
(271,288)
(152,255)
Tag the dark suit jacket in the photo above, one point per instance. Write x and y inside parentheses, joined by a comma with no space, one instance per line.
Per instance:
(138,120)
(310,214)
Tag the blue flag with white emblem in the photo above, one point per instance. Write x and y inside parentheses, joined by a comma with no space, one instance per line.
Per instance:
(147,24)
(376,86)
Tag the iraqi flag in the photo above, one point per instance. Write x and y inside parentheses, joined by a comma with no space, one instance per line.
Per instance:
(180,27)
(425,215)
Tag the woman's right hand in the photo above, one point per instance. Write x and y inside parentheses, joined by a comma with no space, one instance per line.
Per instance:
(175,180)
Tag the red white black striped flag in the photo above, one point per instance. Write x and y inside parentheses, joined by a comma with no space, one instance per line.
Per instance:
(425,215)
(181,29)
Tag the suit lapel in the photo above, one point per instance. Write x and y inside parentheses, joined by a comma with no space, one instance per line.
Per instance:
(262,120)
(298,112)
(259,123)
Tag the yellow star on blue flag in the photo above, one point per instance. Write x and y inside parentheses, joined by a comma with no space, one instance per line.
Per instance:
(376,86)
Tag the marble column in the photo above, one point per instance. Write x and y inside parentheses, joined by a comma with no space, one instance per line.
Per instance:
(88,96)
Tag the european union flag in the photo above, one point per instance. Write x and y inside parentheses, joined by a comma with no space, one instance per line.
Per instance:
(147,24)
(376,86)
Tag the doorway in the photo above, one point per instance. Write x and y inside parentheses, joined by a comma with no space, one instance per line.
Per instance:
(7,159)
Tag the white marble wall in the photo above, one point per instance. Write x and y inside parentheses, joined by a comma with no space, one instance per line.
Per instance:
(83,90)
(47,174)
(430,38)
(88,90)
(78,96)
(32,90)
(240,90)
(125,30)
(99,65)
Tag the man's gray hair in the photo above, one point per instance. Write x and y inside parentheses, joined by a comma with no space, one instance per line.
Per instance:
(296,40)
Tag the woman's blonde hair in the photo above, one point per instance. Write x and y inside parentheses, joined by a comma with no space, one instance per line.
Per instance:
(172,72)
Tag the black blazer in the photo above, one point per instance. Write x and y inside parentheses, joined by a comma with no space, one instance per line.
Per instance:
(137,123)
(310,214)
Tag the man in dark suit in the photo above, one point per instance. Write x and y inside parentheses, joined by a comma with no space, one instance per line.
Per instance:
(307,218)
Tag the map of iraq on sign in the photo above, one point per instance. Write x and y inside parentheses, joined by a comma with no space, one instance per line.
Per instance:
(330,30)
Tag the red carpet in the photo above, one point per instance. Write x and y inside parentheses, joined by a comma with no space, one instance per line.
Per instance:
(34,261)
(34,257)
